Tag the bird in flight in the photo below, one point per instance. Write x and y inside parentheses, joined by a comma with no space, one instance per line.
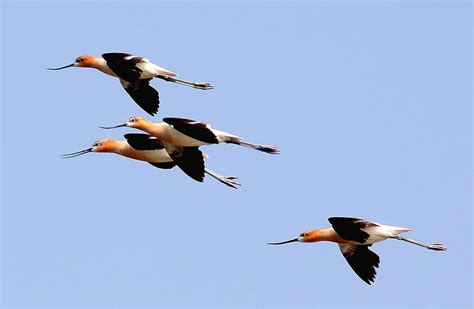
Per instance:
(135,74)
(189,133)
(147,148)
(354,237)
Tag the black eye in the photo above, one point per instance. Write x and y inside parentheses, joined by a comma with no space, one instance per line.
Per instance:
(302,234)
(95,145)
(132,119)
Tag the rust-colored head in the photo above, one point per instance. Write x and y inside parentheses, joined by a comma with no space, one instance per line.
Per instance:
(310,236)
(137,122)
(104,145)
(84,61)
(81,62)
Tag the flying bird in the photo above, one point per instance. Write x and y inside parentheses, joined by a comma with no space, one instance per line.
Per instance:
(147,148)
(354,237)
(189,133)
(135,74)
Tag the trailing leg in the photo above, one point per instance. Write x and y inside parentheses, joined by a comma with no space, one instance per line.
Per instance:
(265,148)
(227,180)
(437,247)
(196,85)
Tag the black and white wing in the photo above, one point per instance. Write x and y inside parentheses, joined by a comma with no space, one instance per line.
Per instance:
(165,165)
(189,159)
(351,228)
(362,260)
(198,130)
(141,141)
(124,65)
(143,94)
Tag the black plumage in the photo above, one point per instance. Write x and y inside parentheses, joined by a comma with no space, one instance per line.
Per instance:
(140,141)
(362,260)
(166,165)
(350,228)
(194,129)
(143,94)
(190,160)
(125,67)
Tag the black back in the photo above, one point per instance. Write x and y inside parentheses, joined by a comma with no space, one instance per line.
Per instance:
(144,141)
(350,228)
(125,69)
(192,128)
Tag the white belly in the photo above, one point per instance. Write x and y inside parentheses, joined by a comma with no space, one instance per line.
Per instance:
(150,70)
(382,232)
(157,156)
(179,139)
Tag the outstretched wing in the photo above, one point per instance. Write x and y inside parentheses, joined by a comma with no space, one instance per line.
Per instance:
(192,128)
(124,65)
(351,228)
(362,260)
(189,159)
(143,94)
(140,141)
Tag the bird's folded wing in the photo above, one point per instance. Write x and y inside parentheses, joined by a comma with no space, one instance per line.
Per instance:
(194,129)
(143,94)
(351,228)
(362,260)
(140,141)
(189,159)
(166,165)
(124,65)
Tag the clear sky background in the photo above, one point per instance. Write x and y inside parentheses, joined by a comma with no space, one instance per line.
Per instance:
(369,102)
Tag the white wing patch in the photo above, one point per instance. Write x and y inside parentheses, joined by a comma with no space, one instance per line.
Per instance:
(129,57)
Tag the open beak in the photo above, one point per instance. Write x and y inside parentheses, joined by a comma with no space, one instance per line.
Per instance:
(75,154)
(283,242)
(67,66)
(118,126)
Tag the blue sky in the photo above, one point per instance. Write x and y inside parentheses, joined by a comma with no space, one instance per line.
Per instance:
(369,102)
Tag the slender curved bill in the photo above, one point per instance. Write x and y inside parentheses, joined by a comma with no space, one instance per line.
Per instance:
(64,67)
(283,242)
(75,154)
(113,127)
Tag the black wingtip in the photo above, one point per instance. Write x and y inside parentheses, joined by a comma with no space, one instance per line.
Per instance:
(191,162)
(143,94)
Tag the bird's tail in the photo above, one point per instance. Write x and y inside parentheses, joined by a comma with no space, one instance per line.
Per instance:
(396,230)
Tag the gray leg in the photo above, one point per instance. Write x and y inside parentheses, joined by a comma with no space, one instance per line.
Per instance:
(437,247)
(238,141)
(227,180)
(202,86)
